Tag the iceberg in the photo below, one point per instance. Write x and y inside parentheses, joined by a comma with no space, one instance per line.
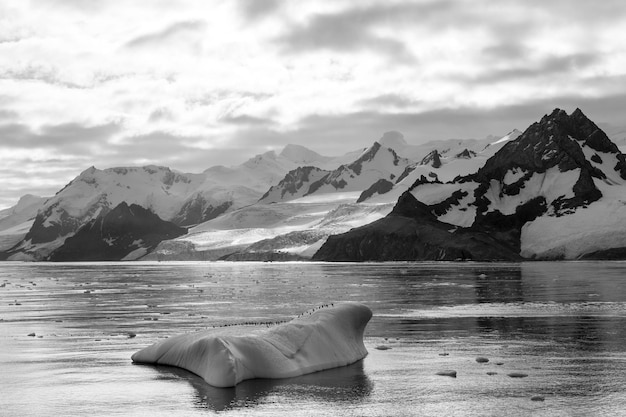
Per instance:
(328,337)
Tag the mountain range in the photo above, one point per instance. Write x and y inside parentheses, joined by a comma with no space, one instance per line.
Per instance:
(554,191)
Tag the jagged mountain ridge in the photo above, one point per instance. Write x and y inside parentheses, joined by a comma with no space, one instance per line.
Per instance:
(182,198)
(552,193)
(436,167)
(299,226)
(374,164)
(502,206)
(185,199)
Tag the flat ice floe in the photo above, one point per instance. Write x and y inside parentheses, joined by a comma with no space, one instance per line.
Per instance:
(326,338)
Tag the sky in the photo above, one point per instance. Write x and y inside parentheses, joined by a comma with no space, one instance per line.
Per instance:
(191,84)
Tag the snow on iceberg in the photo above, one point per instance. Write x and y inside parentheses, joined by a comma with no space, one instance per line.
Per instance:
(326,338)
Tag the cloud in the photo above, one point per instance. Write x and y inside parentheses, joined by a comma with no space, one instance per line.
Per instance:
(549,66)
(40,73)
(506,51)
(334,134)
(347,31)
(66,138)
(245,119)
(389,100)
(8,114)
(256,9)
(162,113)
(174,32)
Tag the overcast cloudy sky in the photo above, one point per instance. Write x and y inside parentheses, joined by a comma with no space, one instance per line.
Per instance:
(195,83)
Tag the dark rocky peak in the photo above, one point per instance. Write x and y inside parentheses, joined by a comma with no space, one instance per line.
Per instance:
(433,159)
(197,210)
(432,179)
(370,155)
(592,135)
(409,206)
(114,235)
(551,142)
(381,186)
(465,154)
(295,179)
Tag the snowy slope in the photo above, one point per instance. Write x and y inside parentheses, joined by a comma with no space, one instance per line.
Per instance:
(298,226)
(557,190)
(447,148)
(295,184)
(298,221)
(451,165)
(17,220)
(185,199)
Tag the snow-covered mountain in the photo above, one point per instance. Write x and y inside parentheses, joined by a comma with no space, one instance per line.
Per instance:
(16,221)
(555,192)
(438,167)
(447,148)
(184,199)
(296,183)
(123,233)
(297,227)
(374,164)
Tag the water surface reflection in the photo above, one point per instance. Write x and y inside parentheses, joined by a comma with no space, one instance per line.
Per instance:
(562,324)
(348,385)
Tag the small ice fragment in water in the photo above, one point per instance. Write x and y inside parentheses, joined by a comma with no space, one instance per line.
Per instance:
(382,347)
(518,375)
(537,398)
(482,359)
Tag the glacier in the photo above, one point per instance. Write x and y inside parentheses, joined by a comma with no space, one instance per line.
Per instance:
(328,337)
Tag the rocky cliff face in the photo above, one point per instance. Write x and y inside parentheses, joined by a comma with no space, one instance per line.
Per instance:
(123,231)
(296,184)
(411,232)
(374,164)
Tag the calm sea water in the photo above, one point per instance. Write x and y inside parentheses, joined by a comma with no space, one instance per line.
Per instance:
(561,326)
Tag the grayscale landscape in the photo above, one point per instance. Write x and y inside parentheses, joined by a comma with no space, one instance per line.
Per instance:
(262,207)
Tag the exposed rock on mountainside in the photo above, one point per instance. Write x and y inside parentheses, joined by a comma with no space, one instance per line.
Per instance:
(433,159)
(381,186)
(126,231)
(296,184)
(411,232)
(15,222)
(552,193)
(197,210)
(185,199)
(375,164)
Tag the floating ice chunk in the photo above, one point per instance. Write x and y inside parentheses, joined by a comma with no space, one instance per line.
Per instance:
(326,338)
